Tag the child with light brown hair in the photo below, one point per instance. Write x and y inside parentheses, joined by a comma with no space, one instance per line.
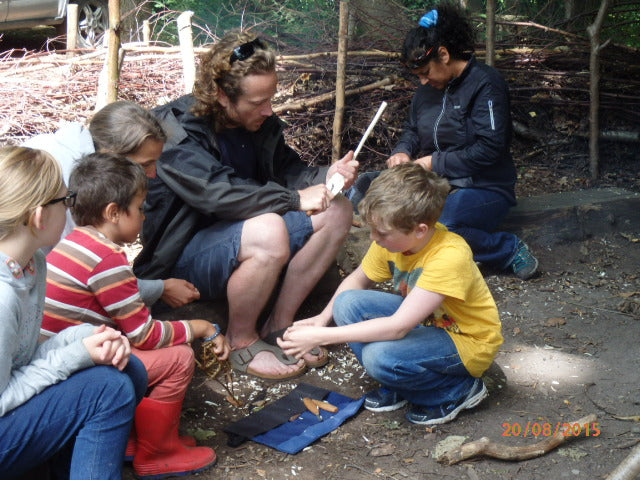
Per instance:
(428,344)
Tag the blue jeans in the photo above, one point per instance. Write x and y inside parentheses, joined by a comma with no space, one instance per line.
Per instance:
(423,367)
(211,256)
(472,213)
(81,423)
(475,214)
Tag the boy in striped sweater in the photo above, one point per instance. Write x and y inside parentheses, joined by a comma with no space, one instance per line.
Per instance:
(89,280)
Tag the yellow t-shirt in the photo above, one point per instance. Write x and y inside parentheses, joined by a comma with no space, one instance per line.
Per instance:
(445,266)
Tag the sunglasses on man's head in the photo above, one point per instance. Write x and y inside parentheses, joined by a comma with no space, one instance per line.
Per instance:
(244,51)
(419,61)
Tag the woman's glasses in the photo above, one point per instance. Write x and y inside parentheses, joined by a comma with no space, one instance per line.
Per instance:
(69,201)
(244,51)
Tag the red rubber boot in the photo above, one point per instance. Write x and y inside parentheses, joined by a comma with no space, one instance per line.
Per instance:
(159,451)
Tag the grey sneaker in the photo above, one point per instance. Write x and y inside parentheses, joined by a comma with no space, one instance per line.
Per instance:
(383,400)
(445,413)
(524,264)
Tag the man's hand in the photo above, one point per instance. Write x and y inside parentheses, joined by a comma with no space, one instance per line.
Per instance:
(315,199)
(108,346)
(178,292)
(347,167)
(397,159)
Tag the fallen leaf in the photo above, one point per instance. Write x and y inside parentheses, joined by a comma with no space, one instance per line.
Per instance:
(555,322)
(383,450)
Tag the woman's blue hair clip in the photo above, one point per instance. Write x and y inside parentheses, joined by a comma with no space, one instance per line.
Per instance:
(429,19)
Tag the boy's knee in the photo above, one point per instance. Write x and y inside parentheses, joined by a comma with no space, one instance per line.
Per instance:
(184,360)
(343,307)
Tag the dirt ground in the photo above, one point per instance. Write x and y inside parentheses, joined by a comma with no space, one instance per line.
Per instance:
(570,350)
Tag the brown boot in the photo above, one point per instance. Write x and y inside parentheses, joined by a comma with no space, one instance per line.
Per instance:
(159,451)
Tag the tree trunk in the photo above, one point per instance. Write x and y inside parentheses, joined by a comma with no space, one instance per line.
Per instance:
(343,33)
(491,33)
(594,89)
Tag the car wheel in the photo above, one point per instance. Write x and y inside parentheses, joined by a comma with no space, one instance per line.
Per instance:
(93,22)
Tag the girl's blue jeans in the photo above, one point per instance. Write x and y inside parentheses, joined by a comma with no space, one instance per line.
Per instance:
(423,367)
(82,424)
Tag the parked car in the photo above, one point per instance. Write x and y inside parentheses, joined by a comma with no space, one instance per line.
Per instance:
(93,17)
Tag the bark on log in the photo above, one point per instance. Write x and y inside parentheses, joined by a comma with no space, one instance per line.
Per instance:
(307,102)
(629,468)
(485,447)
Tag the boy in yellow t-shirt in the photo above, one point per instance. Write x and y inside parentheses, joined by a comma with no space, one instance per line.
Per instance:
(430,345)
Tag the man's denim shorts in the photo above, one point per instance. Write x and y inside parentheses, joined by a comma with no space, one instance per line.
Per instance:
(211,256)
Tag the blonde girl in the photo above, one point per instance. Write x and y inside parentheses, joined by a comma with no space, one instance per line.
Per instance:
(71,399)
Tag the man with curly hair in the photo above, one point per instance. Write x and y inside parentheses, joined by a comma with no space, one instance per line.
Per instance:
(233,206)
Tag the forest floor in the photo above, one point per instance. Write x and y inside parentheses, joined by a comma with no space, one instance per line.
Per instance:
(570,333)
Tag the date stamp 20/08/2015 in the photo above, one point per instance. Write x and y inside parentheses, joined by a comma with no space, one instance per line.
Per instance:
(536,429)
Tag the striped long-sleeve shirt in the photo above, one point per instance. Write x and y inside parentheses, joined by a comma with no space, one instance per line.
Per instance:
(90,281)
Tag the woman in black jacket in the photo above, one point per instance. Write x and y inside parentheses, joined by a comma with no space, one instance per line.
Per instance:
(460,127)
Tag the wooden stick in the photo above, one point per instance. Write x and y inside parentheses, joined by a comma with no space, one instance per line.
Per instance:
(383,105)
(486,447)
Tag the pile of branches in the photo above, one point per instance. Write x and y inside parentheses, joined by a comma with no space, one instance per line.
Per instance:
(547,73)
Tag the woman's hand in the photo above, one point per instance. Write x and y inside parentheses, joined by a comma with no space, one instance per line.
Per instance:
(425,162)
(397,159)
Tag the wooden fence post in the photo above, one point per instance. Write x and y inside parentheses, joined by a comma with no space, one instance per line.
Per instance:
(72,29)
(186,48)
(343,32)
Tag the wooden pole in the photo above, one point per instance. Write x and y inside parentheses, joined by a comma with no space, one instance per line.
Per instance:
(343,31)
(146,32)
(72,29)
(186,48)
(594,89)
(490,58)
(113,63)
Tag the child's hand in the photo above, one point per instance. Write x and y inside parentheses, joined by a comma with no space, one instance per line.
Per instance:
(221,347)
(316,321)
(299,340)
(108,347)
(178,292)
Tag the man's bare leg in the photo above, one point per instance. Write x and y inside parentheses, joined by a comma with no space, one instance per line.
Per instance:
(264,251)
(311,262)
